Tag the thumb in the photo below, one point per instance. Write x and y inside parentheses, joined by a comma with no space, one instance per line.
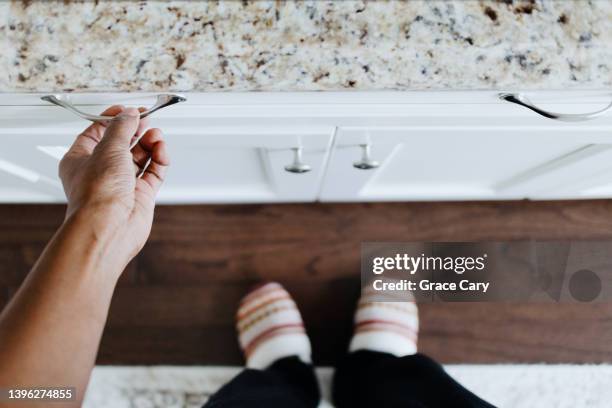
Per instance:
(121,129)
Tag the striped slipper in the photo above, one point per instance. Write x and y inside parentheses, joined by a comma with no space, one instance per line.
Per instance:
(385,323)
(270,327)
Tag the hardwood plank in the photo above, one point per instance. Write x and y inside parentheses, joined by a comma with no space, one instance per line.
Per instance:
(4,297)
(142,345)
(12,267)
(240,225)
(215,304)
(29,223)
(474,333)
(16,261)
(517,332)
(201,262)
(196,345)
(173,306)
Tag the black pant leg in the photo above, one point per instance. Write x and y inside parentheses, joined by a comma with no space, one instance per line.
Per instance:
(381,380)
(288,382)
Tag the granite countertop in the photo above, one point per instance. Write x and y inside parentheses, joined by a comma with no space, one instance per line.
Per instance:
(306,45)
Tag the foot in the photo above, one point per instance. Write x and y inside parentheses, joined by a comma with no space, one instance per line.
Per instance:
(389,326)
(270,327)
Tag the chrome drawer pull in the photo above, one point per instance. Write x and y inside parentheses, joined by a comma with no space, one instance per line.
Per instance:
(163,100)
(522,100)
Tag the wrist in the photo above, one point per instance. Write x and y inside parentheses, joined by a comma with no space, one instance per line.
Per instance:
(100,235)
(101,223)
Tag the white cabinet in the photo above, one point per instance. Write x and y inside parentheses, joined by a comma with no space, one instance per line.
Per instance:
(471,163)
(234,148)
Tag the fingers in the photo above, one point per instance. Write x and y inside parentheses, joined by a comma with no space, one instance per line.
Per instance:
(153,147)
(90,137)
(121,129)
(144,146)
(142,127)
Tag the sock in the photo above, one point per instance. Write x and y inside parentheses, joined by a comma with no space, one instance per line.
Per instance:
(389,326)
(270,327)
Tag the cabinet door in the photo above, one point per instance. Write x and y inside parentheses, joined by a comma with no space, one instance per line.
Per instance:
(469,163)
(234,161)
(243,165)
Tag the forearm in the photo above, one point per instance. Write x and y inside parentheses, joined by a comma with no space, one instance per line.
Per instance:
(50,332)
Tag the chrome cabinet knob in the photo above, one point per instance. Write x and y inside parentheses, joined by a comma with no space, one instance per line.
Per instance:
(366,162)
(297,166)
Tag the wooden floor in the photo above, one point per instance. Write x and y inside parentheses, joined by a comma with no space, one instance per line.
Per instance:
(175,302)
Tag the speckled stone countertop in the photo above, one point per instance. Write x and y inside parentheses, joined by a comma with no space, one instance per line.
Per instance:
(305,45)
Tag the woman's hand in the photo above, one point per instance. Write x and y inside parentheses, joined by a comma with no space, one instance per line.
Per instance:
(105,183)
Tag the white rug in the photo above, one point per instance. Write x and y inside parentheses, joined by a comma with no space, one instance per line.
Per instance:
(513,386)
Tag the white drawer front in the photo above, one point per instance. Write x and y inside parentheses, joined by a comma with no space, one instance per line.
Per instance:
(229,162)
(467,164)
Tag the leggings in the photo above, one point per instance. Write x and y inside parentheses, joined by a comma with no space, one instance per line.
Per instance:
(362,379)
